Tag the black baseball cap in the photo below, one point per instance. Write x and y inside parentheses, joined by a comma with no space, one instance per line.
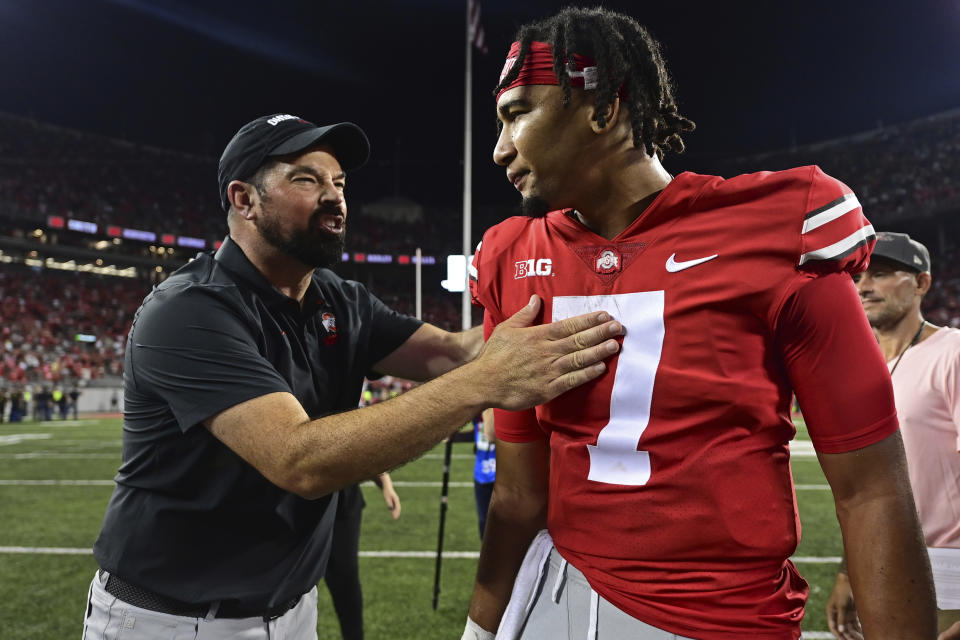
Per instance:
(903,250)
(281,134)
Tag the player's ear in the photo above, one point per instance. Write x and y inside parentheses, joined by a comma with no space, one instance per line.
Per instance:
(924,280)
(605,119)
(243,196)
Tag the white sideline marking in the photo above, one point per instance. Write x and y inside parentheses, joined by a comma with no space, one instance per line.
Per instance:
(815,559)
(365,554)
(17,438)
(424,483)
(368,483)
(802,449)
(53,483)
(34,455)
(81,456)
(99,443)
(63,551)
(418,554)
(797,452)
(106,483)
(60,423)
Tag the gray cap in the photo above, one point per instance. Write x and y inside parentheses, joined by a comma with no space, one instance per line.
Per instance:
(902,249)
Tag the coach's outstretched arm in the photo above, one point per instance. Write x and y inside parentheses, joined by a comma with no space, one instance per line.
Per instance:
(519,367)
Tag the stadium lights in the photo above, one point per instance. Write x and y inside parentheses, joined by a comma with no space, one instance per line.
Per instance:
(81,226)
(117,233)
(71,265)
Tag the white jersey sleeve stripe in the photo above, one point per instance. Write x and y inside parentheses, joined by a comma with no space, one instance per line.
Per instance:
(846,204)
(840,249)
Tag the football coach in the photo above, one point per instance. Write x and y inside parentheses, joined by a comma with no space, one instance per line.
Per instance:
(242,375)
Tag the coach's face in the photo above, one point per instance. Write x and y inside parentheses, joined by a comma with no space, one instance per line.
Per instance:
(888,292)
(302,209)
(545,146)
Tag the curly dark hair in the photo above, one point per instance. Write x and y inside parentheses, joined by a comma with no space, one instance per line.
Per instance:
(626,56)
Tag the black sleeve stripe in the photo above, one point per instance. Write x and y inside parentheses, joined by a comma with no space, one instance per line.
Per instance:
(829,205)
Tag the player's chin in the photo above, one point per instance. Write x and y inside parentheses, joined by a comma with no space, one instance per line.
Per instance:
(533,206)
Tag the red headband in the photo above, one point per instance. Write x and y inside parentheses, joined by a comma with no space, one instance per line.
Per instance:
(538,68)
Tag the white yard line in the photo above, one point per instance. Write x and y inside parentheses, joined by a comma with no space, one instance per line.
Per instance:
(363,554)
(36,455)
(447,555)
(105,483)
(56,483)
(55,423)
(802,449)
(61,551)
(397,483)
(425,483)
(17,438)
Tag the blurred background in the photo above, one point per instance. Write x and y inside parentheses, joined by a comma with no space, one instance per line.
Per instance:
(113,114)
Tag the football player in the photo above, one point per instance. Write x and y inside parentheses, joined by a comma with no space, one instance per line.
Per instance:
(664,486)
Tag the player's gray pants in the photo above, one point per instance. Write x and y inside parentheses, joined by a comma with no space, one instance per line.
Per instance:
(564,607)
(112,619)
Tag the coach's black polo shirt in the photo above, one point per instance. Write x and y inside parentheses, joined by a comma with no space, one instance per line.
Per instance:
(189,518)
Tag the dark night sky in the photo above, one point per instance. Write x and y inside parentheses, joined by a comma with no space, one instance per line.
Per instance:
(186,74)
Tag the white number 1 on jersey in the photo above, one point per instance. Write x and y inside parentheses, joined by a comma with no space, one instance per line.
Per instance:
(615,459)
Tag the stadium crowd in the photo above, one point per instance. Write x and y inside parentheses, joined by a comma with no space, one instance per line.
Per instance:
(899,172)
(905,175)
(48,170)
(57,326)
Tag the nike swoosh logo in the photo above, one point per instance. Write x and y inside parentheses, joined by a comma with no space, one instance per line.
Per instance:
(673,266)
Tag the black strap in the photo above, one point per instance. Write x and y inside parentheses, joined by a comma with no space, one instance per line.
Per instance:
(146,599)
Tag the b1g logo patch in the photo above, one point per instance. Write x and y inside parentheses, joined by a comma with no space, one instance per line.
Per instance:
(532,267)
(608,261)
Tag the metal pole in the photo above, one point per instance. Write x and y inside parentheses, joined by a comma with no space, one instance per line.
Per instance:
(418,275)
(465,307)
(443,519)
(467,169)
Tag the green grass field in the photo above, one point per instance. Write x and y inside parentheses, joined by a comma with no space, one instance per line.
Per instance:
(55,480)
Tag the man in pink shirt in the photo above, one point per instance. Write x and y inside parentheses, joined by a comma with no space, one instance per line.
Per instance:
(924,363)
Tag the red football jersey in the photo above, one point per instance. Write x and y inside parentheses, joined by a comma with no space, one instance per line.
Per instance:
(670,484)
